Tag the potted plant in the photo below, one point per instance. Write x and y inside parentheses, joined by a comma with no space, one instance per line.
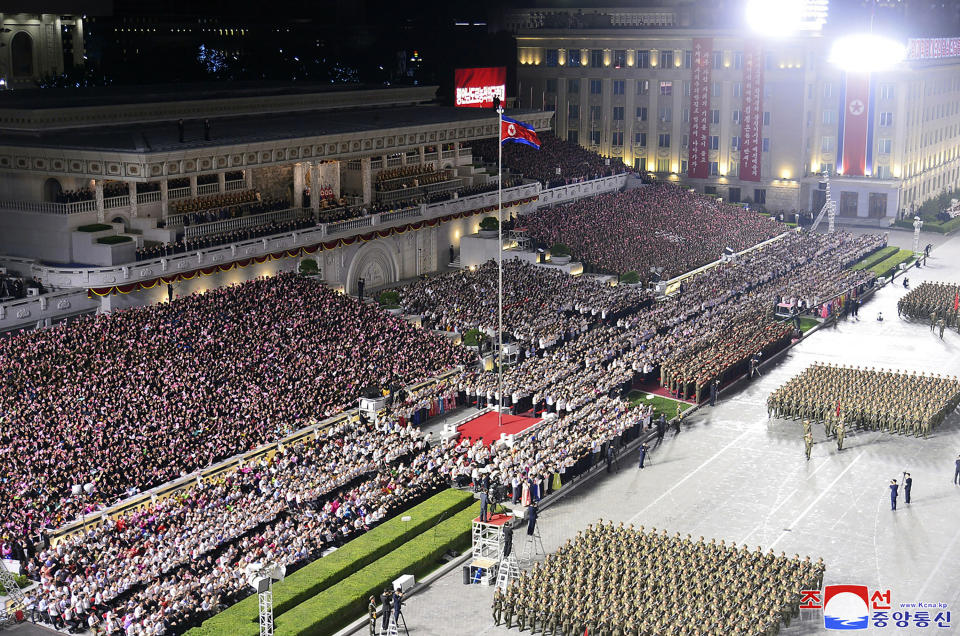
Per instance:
(389,300)
(630,278)
(308,267)
(559,254)
(489,227)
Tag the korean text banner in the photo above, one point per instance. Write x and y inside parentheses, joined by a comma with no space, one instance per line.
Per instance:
(699,160)
(476,87)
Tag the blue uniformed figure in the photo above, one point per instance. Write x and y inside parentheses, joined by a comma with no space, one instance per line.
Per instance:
(643,454)
(483,505)
(531,518)
(894,489)
(956,472)
(907,485)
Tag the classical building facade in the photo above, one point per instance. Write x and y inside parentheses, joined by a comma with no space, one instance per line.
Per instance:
(373,184)
(36,45)
(627,83)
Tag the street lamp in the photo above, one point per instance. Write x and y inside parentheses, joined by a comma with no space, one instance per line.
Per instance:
(260,576)
(917,224)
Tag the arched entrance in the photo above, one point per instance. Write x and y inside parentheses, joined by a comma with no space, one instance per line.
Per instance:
(51,190)
(376,263)
(120,219)
(21,53)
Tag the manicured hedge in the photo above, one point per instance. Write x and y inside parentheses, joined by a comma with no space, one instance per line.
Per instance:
(337,606)
(95,227)
(931,225)
(307,582)
(876,257)
(114,240)
(890,265)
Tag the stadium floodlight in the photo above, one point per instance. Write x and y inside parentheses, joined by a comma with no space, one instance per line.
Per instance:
(775,18)
(866,52)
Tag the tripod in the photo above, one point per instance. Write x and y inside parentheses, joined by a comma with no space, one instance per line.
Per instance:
(393,629)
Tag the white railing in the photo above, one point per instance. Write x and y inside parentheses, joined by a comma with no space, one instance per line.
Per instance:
(413,160)
(394,161)
(376,164)
(236,184)
(145,270)
(241,222)
(466,152)
(572,191)
(448,154)
(50,306)
(148,197)
(208,188)
(407,213)
(43,207)
(116,202)
(345,226)
(178,193)
(430,156)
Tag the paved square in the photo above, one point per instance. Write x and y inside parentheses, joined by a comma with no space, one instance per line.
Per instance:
(734,475)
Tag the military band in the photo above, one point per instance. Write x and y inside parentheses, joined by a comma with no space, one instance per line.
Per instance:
(843,398)
(614,580)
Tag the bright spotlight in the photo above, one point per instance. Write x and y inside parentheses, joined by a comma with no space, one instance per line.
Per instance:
(866,52)
(775,18)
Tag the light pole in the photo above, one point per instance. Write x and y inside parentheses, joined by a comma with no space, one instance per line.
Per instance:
(260,576)
(917,224)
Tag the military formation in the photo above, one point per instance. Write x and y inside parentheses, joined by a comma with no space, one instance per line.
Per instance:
(843,398)
(933,302)
(614,580)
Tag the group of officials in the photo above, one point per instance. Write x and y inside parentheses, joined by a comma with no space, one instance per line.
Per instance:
(842,398)
(620,581)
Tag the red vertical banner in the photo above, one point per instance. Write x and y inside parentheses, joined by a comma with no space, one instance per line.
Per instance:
(751,114)
(698,160)
(856,124)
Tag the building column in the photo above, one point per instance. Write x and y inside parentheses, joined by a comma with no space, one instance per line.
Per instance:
(164,198)
(248,177)
(98,193)
(222,181)
(298,185)
(315,189)
(423,152)
(193,186)
(132,189)
(366,181)
(77,42)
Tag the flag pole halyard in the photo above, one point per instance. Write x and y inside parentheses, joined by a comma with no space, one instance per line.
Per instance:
(500,269)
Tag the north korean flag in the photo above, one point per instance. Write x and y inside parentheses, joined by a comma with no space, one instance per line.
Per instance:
(513,130)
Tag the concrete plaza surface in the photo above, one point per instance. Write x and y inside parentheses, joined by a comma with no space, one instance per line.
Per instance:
(732,474)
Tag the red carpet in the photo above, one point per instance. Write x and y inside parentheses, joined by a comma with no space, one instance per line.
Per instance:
(656,389)
(497,520)
(485,426)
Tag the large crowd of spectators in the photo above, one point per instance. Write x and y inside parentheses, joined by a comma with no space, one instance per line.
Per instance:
(130,400)
(138,397)
(574,162)
(661,226)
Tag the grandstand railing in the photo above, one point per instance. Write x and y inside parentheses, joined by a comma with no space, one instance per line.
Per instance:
(121,201)
(581,189)
(208,188)
(178,193)
(235,184)
(243,222)
(212,473)
(123,274)
(43,207)
(148,197)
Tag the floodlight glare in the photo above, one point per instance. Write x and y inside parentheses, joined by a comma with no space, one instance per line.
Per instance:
(775,18)
(866,52)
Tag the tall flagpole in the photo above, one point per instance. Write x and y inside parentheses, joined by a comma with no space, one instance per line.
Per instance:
(500,269)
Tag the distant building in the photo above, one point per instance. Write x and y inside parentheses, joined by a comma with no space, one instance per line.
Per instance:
(623,82)
(37,45)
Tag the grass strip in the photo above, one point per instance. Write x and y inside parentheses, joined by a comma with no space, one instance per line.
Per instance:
(660,404)
(889,265)
(876,257)
(337,606)
(242,618)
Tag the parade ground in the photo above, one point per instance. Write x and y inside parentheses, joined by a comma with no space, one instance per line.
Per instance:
(733,474)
